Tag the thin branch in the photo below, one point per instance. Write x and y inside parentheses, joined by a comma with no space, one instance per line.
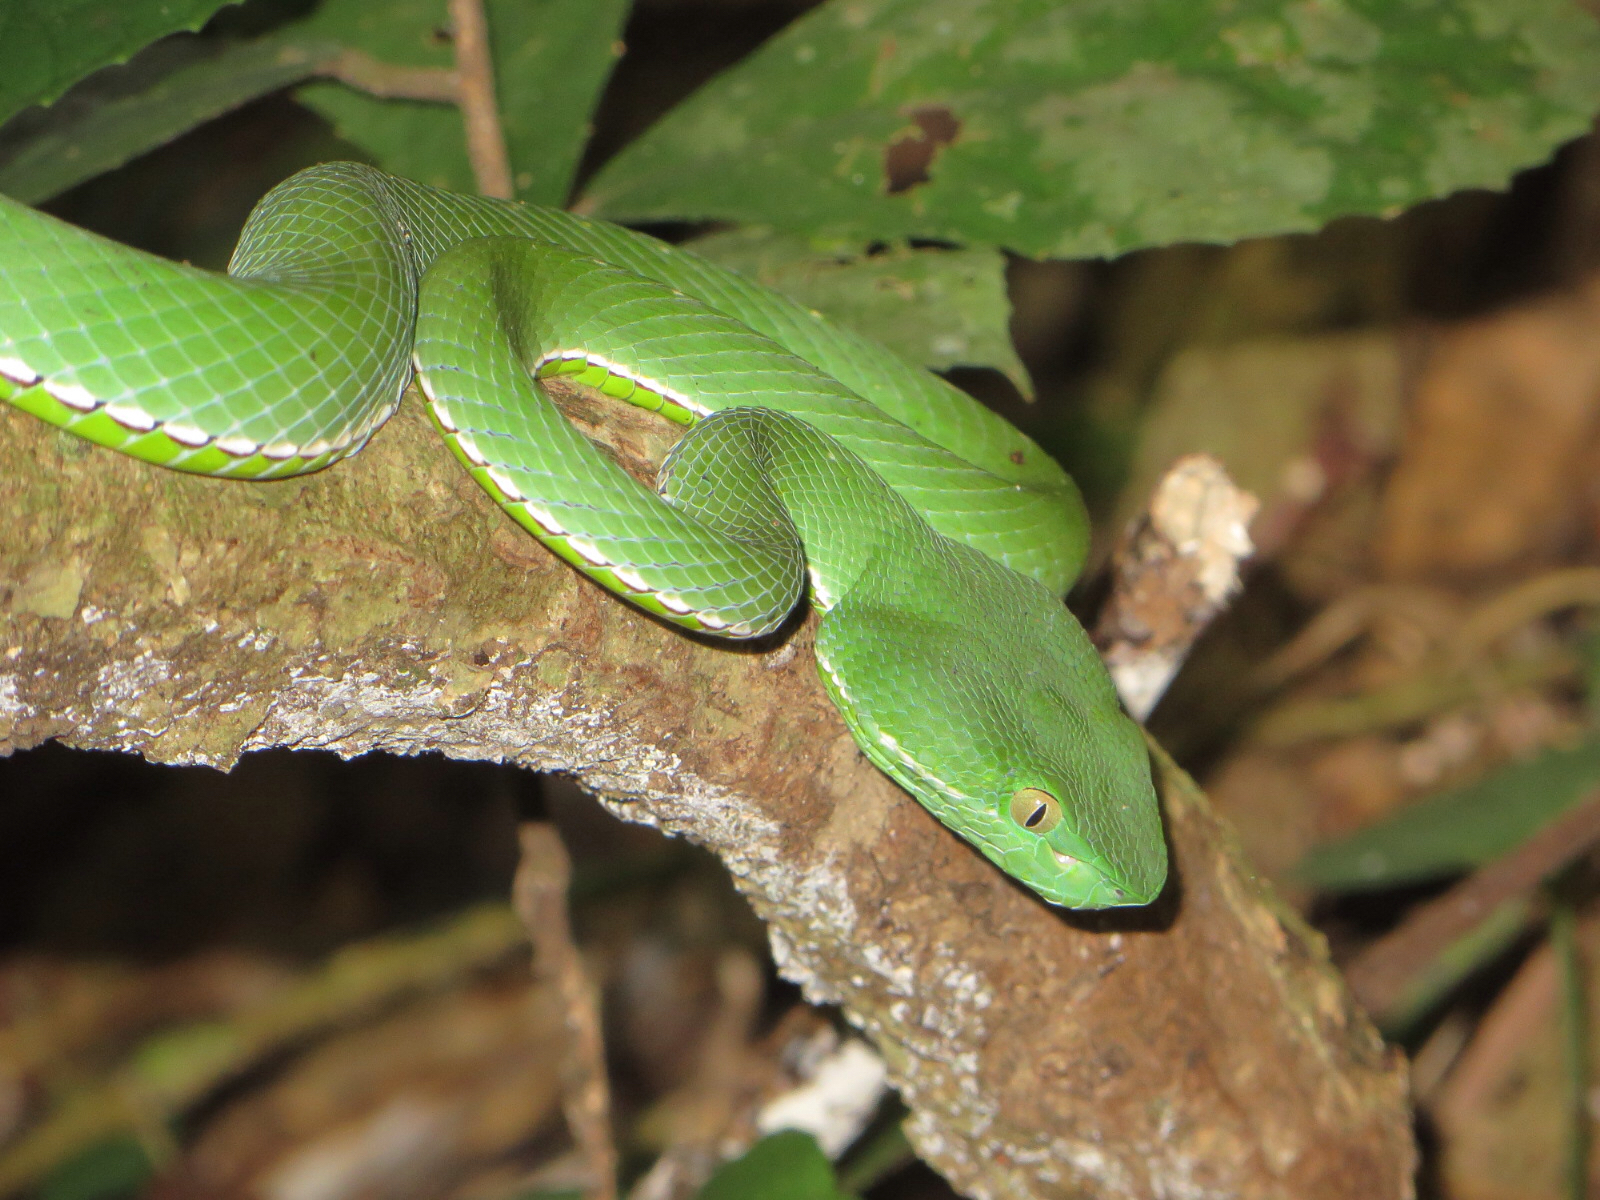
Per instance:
(1522,604)
(539,894)
(388,81)
(1575,1035)
(486,143)
(1411,699)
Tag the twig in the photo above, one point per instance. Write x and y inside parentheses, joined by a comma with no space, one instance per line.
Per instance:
(1575,1035)
(1524,603)
(1411,699)
(539,894)
(486,143)
(387,81)
(1460,671)
(1173,574)
(1379,977)
(801,1076)
(1340,623)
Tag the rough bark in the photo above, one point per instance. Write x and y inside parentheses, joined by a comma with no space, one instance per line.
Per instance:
(1201,1048)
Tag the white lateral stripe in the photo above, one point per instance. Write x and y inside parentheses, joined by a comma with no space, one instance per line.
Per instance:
(18,371)
(424,385)
(279,450)
(711,620)
(544,521)
(186,434)
(631,579)
(503,482)
(130,415)
(470,449)
(622,372)
(834,676)
(234,444)
(317,448)
(673,601)
(74,396)
(441,414)
(589,551)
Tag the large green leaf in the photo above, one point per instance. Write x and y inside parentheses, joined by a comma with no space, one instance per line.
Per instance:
(551,59)
(936,308)
(1088,127)
(97,128)
(48,45)
(1458,829)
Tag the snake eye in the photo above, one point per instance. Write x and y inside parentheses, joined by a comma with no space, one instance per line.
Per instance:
(1035,810)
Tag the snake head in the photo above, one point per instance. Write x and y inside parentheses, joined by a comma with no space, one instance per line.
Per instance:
(1080,854)
(1005,725)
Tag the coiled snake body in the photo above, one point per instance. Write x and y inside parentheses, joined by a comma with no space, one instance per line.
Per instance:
(936,539)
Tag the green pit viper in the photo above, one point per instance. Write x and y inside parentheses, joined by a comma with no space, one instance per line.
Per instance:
(937,539)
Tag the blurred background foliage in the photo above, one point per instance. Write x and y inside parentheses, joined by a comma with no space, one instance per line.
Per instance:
(1358,262)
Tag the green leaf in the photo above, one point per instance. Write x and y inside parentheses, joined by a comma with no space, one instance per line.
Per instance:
(113,1168)
(551,58)
(1090,127)
(878,1153)
(48,45)
(1459,829)
(936,308)
(781,1166)
(97,129)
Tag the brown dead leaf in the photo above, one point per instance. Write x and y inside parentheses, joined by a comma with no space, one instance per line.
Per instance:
(1493,470)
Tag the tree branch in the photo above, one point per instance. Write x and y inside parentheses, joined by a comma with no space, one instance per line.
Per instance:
(1202,1047)
(486,143)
